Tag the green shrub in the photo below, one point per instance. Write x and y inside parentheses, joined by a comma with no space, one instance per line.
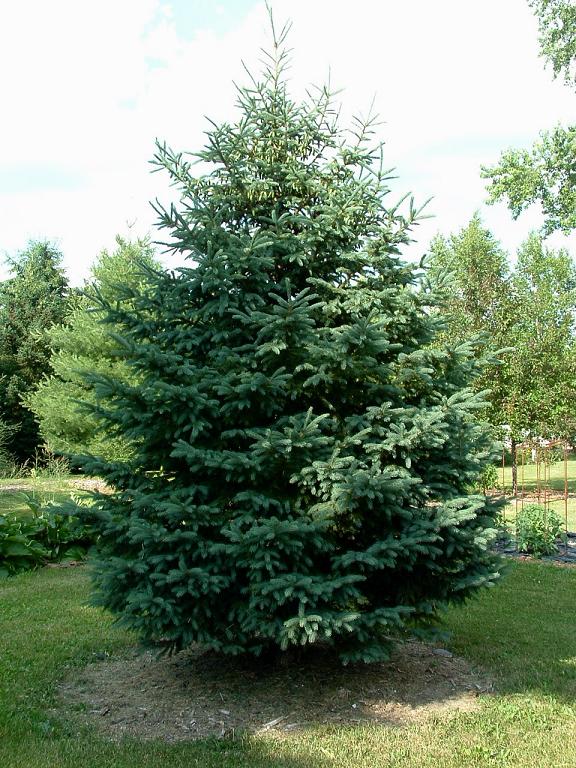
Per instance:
(538,530)
(489,478)
(48,532)
(20,549)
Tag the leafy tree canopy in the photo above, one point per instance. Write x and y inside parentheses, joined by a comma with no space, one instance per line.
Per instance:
(471,272)
(557,26)
(527,311)
(545,173)
(542,369)
(478,272)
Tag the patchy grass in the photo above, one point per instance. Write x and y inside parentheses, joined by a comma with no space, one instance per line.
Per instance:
(41,488)
(522,632)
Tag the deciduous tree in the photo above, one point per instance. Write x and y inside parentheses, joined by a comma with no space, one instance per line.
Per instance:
(523,315)
(545,174)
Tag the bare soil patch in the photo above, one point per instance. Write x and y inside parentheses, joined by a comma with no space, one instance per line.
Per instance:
(197,694)
(90,484)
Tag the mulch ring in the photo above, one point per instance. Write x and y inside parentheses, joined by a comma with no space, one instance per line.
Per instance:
(565,555)
(197,694)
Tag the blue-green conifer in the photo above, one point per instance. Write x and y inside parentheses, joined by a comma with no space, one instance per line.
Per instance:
(303,452)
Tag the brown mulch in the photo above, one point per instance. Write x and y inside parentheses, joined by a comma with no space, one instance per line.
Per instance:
(90,484)
(197,694)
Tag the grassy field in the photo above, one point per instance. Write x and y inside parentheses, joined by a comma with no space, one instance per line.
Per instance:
(522,632)
(42,488)
(528,482)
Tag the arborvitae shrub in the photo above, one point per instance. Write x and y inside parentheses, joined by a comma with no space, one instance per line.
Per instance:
(82,346)
(302,451)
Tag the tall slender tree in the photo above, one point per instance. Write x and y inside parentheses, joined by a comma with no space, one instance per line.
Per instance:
(472,273)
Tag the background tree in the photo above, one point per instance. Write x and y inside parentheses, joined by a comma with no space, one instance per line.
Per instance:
(545,174)
(302,452)
(541,175)
(557,26)
(530,310)
(542,368)
(471,272)
(81,346)
(31,300)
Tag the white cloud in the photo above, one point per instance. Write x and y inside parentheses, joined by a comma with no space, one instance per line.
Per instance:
(87,87)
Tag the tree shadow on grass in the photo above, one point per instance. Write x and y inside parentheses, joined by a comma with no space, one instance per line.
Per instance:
(198,695)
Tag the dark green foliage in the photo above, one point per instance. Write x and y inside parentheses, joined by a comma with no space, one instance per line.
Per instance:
(302,451)
(83,345)
(48,532)
(7,464)
(31,300)
(19,548)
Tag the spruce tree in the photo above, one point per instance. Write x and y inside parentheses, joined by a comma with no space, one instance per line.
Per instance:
(303,451)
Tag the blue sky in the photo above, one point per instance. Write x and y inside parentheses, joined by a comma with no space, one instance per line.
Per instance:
(191,15)
(88,86)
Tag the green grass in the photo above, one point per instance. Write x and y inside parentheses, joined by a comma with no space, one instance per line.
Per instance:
(528,484)
(528,473)
(522,631)
(43,488)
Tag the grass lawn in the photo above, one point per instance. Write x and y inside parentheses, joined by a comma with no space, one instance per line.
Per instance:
(530,479)
(42,488)
(527,480)
(523,632)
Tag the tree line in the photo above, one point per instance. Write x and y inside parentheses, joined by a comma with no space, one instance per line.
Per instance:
(53,339)
(51,342)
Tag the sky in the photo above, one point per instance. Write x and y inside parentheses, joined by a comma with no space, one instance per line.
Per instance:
(87,87)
